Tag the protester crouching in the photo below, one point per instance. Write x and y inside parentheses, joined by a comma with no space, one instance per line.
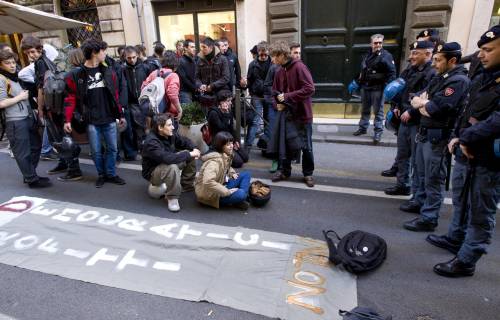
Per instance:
(220,119)
(168,161)
(218,184)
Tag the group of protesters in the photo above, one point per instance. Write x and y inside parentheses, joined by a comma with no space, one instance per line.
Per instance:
(102,102)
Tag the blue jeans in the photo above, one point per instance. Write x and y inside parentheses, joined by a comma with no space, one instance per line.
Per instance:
(243,184)
(257,121)
(372,99)
(104,165)
(46,146)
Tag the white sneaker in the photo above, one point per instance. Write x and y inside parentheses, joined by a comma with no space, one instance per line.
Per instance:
(173,205)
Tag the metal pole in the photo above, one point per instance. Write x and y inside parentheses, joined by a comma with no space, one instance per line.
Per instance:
(237,115)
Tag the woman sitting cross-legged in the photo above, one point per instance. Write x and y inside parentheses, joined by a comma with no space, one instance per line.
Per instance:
(217,183)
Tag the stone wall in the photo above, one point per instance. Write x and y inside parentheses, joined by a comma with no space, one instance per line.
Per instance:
(421,14)
(284,20)
(110,20)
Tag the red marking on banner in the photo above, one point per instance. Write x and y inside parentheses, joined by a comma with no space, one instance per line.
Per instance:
(7,206)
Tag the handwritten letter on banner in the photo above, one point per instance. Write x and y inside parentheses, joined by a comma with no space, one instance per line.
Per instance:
(276,275)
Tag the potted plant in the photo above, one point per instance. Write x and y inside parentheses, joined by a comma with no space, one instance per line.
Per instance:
(190,124)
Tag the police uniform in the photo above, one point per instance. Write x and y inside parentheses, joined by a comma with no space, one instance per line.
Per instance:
(446,94)
(377,69)
(430,34)
(473,221)
(417,78)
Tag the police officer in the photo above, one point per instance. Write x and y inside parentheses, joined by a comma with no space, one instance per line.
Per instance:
(417,77)
(377,69)
(477,129)
(438,105)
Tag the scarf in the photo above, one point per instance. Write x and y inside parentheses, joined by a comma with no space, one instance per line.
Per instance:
(10,76)
(211,55)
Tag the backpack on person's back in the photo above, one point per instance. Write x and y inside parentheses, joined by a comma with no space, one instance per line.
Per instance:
(152,99)
(54,87)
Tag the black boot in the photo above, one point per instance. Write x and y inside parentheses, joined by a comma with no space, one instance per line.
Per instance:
(444,242)
(359,132)
(390,172)
(420,225)
(410,206)
(455,268)
(398,190)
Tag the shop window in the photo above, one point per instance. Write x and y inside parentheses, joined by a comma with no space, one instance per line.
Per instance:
(174,28)
(217,25)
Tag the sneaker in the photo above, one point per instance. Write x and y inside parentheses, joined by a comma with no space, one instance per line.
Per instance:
(173,205)
(274,166)
(71,176)
(377,137)
(51,156)
(392,172)
(244,205)
(60,168)
(40,183)
(359,132)
(100,182)
(116,180)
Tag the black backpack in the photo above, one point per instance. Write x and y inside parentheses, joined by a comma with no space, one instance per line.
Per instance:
(362,313)
(357,251)
(54,88)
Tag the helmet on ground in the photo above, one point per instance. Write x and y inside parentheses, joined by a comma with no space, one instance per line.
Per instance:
(394,88)
(259,193)
(156,192)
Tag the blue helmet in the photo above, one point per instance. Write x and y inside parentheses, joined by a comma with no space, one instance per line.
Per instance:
(353,87)
(394,88)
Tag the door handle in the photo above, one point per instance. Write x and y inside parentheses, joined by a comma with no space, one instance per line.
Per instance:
(324,40)
(347,60)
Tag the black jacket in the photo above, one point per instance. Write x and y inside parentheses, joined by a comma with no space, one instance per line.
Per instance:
(417,78)
(447,96)
(214,72)
(377,69)
(219,121)
(234,68)
(134,76)
(285,140)
(256,77)
(187,74)
(162,150)
(122,83)
(484,99)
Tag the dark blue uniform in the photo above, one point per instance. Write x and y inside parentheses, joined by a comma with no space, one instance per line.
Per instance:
(417,78)
(377,69)
(446,93)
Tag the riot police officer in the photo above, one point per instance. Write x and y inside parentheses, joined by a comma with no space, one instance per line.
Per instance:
(377,69)
(438,104)
(476,177)
(417,77)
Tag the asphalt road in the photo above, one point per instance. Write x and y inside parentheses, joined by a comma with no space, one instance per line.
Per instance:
(403,286)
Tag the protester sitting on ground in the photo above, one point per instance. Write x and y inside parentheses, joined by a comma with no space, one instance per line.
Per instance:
(21,129)
(217,183)
(220,119)
(168,160)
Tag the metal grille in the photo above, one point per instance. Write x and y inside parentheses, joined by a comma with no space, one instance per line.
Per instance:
(82,10)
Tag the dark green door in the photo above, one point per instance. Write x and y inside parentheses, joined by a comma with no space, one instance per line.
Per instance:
(336,33)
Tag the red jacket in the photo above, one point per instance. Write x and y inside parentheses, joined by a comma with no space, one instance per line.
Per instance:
(76,86)
(295,80)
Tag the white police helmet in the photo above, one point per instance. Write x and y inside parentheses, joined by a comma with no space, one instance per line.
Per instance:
(156,192)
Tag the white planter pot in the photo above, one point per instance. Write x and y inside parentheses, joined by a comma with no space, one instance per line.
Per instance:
(193,133)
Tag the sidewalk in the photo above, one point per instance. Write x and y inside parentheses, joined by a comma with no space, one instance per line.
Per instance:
(340,131)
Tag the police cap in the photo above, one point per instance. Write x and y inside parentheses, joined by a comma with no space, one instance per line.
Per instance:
(449,47)
(428,33)
(489,35)
(422,45)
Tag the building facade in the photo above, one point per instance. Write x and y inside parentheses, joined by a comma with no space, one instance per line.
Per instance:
(334,34)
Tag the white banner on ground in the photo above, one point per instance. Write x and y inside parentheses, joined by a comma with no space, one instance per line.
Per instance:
(276,275)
